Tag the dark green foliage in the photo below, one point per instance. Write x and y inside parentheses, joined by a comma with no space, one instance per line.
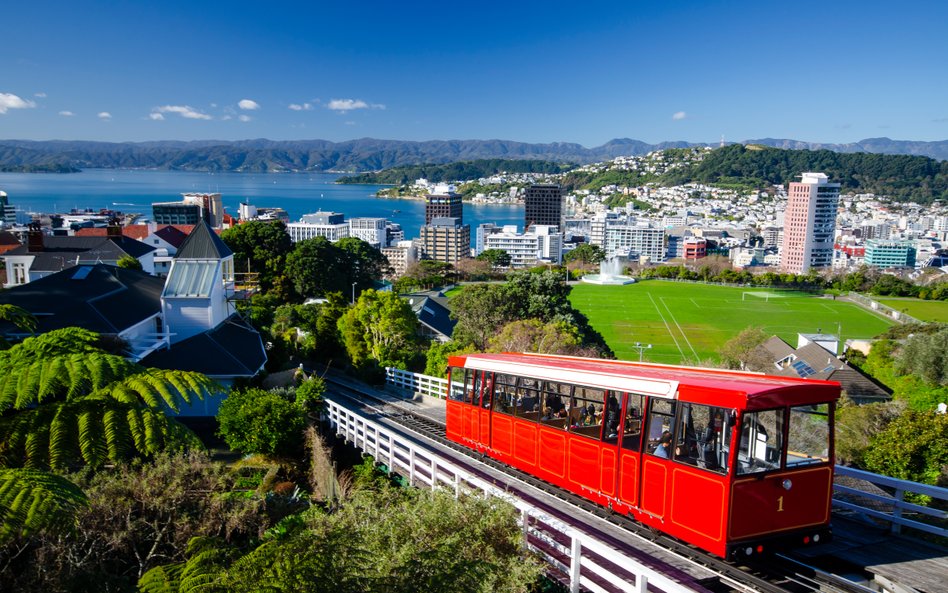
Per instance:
(925,355)
(424,274)
(32,501)
(498,258)
(857,425)
(903,177)
(318,267)
(260,248)
(310,330)
(309,394)
(586,254)
(259,421)
(459,171)
(482,310)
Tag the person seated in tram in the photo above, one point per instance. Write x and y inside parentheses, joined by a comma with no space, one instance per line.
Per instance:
(612,416)
(664,446)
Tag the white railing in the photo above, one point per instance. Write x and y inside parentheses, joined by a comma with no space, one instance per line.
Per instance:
(416,382)
(890,508)
(584,561)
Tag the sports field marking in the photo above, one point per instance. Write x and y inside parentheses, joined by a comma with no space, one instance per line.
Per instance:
(678,325)
(667,327)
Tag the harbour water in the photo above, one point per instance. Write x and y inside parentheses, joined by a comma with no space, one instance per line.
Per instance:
(298,193)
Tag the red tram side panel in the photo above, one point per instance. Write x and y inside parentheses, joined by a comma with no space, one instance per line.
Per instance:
(735,463)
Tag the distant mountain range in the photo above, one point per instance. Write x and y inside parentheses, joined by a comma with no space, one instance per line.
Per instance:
(366,154)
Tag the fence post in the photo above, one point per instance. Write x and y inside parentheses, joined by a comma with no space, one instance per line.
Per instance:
(897,511)
(576,551)
(411,467)
(641,583)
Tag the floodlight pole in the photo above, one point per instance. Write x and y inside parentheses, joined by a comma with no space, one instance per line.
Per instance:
(641,348)
(354,292)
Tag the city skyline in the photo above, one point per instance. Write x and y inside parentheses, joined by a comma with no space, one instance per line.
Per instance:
(692,71)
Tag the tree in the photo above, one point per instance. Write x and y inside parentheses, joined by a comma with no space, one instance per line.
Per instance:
(586,254)
(857,425)
(471,269)
(260,247)
(361,263)
(498,258)
(67,401)
(480,310)
(532,335)
(925,355)
(19,318)
(33,500)
(913,447)
(436,359)
(259,421)
(425,274)
(129,263)
(315,267)
(744,351)
(380,327)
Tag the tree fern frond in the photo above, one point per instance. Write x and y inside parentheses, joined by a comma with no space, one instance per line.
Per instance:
(91,437)
(162,579)
(118,439)
(32,500)
(63,438)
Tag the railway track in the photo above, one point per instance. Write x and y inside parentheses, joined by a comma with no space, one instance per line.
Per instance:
(776,574)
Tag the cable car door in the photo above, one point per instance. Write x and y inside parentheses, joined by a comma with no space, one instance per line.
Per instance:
(656,465)
(483,413)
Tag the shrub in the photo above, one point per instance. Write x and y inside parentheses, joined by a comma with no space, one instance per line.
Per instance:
(258,421)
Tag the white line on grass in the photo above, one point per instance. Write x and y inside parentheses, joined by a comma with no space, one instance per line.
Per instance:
(683,334)
(667,327)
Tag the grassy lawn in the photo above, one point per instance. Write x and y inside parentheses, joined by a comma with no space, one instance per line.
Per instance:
(690,322)
(922,310)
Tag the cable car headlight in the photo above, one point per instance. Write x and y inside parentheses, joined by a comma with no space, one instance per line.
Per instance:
(787,484)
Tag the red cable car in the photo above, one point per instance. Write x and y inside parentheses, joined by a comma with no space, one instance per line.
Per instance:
(735,463)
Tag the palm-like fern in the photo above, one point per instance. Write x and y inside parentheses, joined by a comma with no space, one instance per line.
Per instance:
(63,406)
(200,573)
(32,500)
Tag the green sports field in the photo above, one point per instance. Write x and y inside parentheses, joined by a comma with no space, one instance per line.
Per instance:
(687,322)
(936,311)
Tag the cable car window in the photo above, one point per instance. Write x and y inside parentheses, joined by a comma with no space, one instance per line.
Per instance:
(553,407)
(700,440)
(456,388)
(808,440)
(487,389)
(761,442)
(474,392)
(632,424)
(528,398)
(505,393)
(586,412)
(661,422)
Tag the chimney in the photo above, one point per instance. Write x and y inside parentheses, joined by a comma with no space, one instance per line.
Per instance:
(114,229)
(34,238)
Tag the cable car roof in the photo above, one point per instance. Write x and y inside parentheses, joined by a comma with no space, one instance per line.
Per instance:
(721,387)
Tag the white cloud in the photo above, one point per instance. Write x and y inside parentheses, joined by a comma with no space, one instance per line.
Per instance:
(104,115)
(243,118)
(248,105)
(10,101)
(66,113)
(300,107)
(40,95)
(679,115)
(155,116)
(344,105)
(227,117)
(184,111)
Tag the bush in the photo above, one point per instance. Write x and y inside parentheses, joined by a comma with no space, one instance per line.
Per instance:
(258,421)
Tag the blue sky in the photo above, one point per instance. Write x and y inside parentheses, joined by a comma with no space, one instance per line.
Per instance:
(581,72)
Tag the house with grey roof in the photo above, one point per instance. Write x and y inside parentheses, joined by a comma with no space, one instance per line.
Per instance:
(434,314)
(812,359)
(43,255)
(186,321)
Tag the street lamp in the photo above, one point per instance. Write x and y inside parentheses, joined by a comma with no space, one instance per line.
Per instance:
(354,292)
(641,348)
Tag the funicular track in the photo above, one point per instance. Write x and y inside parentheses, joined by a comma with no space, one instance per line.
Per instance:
(773,574)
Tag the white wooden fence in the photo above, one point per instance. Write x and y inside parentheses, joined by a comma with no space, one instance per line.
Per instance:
(584,560)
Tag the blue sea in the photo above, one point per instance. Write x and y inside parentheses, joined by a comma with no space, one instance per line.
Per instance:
(298,193)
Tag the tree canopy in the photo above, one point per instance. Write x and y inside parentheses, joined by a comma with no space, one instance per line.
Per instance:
(260,247)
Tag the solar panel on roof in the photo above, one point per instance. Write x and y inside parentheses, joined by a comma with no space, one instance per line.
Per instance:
(82,272)
(803,369)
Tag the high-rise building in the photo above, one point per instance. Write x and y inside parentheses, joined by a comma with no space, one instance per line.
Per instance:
(446,205)
(809,224)
(445,239)
(539,244)
(7,212)
(543,204)
(191,209)
(370,230)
